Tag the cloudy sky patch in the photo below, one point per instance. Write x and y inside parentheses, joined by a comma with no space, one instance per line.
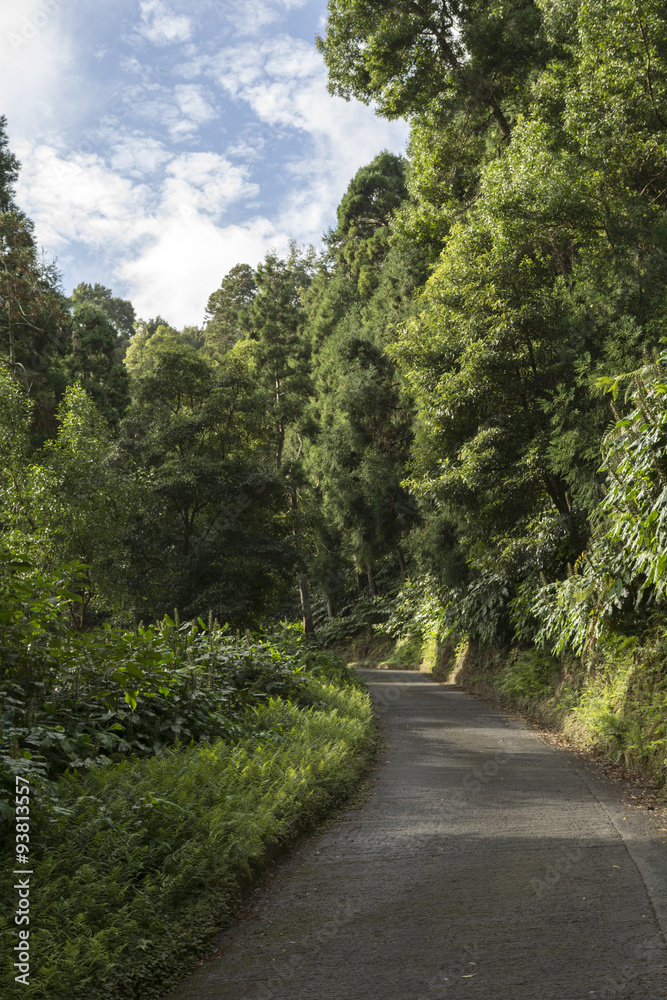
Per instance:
(164,141)
(162,26)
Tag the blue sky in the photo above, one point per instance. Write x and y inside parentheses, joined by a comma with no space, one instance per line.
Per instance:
(164,141)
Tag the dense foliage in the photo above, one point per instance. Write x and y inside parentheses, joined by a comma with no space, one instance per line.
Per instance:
(534,195)
(424,398)
(142,862)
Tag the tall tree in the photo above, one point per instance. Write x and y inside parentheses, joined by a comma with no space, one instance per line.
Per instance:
(93,360)
(361,434)
(403,55)
(79,503)
(153,336)
(275,321)
(9,170)
(120,311)
(225,309)
(210,534)
(33,318)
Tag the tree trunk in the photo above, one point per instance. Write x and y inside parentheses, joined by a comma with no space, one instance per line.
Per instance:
(371,582)
(358,575)
(401,563)
(12,359)
(501,121)
(483,95)
(279,444)
(305,605)
(304,591)
(557,490)
(330,607)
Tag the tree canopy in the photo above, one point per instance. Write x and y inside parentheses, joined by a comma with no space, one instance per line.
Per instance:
(423,397)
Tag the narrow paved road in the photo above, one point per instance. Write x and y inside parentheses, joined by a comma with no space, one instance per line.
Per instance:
(485,864)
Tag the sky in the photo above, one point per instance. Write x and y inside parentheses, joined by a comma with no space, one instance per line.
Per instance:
(164,141)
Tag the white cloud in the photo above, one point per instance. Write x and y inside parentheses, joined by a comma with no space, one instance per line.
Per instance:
(178,272)
(161,26)
(250,17)
(192,69)
(194,111)
(204,183)
(249,147)
(137,155)
(77,198)
(193,103)
(37,67)
(166,242)
(181,110)
(284,82)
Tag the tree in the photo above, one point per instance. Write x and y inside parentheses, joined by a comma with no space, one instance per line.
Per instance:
(151,337)
(405,54)
(614,96)
(33,319)
(361,239)
(9,170)
(226,307)
(66,501)
(15,421)
(211,533)
(361,424)
(362,443)
(33,316)
(120,311)
(79,503)
(492,343)
(93,360)
(275,321)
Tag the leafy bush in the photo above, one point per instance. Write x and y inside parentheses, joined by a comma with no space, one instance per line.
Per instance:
(622,575)
(75,699)
(354,619)
(418,610)
(145,859)
(109,693)
(529,675)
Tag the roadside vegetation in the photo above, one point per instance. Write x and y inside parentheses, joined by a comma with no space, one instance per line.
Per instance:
(165,765)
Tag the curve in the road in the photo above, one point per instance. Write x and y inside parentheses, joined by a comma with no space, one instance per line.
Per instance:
(485,864)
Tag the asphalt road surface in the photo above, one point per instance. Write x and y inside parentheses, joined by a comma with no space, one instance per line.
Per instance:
(486,863)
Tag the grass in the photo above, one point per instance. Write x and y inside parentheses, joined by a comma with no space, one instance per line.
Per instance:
(147,861)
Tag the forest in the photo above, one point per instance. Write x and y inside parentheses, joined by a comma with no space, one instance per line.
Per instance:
(440,437)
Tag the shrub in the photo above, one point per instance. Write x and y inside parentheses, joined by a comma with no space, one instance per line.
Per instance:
(528,676)
(145,859)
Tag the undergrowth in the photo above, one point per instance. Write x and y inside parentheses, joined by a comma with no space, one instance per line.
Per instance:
(146,858)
